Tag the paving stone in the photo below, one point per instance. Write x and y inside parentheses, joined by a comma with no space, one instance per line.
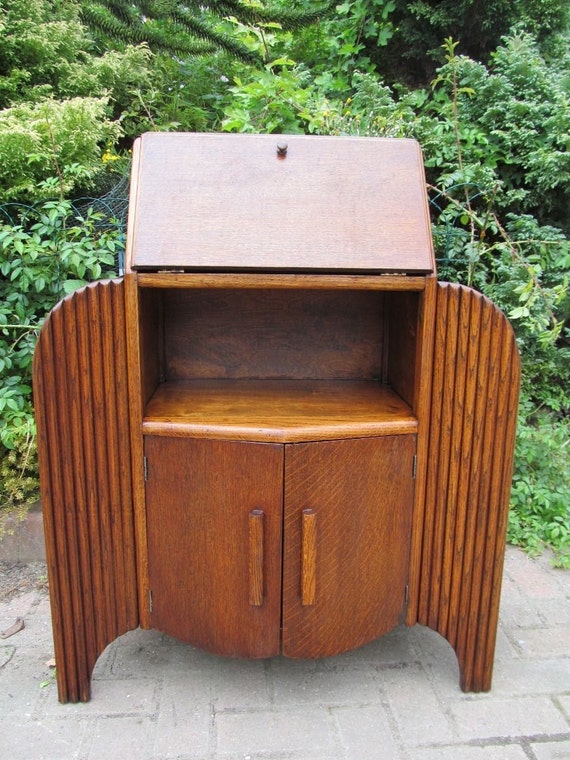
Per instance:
(545,642)
(564,702)
(552,750)
(433,646)
(520,612)
(34,640)
(438,660)
(532,577)
(365,732)
(184,720)
(306,729)
(465,752)
(329,687)
(139,653)
(519,677)
(284,754)
(187,658)
(41,739)
(504,647)
(20,685)
(6,654)
(119,738)
(397,646)
(419,715)
(397,698)
(555,613)
(17,606)
(488,717)
(241,684)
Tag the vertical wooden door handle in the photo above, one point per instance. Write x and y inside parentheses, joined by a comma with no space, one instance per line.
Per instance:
(308,557)
(256,518)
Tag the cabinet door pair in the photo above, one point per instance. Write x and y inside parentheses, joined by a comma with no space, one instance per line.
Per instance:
(257,549)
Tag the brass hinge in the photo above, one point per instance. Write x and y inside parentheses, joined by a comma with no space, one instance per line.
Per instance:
(414,466)
(145,468)
(150,601)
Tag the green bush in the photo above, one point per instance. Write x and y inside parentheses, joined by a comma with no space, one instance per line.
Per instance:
(46,254)
(53,139)
(540,497)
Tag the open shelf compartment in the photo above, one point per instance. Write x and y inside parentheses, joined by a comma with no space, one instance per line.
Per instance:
(278,365)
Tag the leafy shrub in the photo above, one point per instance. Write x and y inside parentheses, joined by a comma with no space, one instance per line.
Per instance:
(513,117)
(49,252)
(272,100)
(40,41)
(47,55)
(412,50)
(540,497)
(18,478)
(63,139)
(46,52)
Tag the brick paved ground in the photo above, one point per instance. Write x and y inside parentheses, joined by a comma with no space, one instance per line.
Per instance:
(395,699)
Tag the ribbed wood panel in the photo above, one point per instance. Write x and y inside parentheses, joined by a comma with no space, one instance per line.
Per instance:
(471,440)
(81,401)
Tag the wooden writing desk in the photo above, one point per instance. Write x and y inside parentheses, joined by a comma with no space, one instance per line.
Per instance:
(277,433)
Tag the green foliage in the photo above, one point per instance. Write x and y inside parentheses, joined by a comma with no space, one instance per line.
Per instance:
(46,52)
(513,117)
(42,257)
(18,478)
(419,28)
(190,28)
(269,101)
(40,41)
(489,171)
(47,56)
(350,42)
(285,98)
(540,514)
(180,96)
(63,139)
(370,110)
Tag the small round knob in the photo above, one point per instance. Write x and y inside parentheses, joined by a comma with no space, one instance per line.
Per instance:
(282,149)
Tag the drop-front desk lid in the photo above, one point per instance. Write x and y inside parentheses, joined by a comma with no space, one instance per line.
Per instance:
(287,203)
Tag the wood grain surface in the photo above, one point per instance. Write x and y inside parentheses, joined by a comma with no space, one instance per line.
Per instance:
(278,410)
(82,414)
(200,498)
(221,201)
(474,401)
(345,574)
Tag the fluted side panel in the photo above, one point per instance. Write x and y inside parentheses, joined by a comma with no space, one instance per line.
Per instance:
(81,402)
(472,431)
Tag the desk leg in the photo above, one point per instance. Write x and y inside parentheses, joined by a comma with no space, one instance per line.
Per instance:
(81,400)
(474,400)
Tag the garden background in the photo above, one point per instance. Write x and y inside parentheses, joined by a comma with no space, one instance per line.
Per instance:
(483,85)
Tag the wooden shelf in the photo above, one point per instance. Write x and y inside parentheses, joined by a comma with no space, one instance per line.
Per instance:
(277,410)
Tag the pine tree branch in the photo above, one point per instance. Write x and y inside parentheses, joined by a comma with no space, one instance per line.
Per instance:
(204,31)
(188,28)
(157,38)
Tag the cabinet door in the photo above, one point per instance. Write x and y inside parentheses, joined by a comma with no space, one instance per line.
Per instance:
(214,516)
(348,508)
